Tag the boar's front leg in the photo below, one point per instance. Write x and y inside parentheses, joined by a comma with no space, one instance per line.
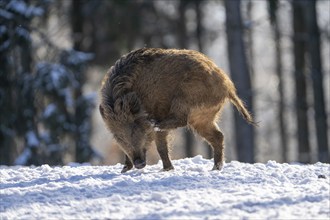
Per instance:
(162,148)
(128,165)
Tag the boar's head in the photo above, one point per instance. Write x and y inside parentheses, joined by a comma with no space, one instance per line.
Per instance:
(130,126)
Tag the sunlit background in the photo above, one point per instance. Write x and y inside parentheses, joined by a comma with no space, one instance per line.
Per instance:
(54,55)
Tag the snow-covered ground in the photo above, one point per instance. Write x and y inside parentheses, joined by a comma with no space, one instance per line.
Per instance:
(191,191)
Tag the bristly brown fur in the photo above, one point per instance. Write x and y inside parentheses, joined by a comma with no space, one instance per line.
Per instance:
(164,89)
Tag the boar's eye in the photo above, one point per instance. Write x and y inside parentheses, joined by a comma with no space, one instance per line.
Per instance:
(141,124)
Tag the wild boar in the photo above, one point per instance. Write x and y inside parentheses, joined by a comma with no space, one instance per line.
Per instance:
(150,91)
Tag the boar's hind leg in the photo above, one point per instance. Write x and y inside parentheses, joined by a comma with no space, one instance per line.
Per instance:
(214,137)
(162,148)
(128,165)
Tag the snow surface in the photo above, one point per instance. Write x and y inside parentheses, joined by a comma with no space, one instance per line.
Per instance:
(191,191)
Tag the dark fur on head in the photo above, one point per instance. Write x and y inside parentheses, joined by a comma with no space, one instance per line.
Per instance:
(120,107)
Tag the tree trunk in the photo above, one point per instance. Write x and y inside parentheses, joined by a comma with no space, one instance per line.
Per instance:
(317,80)
(82,147)
(281,105)
(6,131)
(25,101)
(200,46)
(299,37)
(83,104)
(182,29)
(199,26)
(30,130)
(241,77)
(273,7)
(183,43)
(250,42)
(77,24)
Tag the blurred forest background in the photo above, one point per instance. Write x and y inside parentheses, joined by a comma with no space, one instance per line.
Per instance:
(54,54)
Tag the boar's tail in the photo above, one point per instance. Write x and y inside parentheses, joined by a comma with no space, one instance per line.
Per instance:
(241,107)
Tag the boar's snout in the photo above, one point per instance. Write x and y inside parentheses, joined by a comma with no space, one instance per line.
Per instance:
(139,163)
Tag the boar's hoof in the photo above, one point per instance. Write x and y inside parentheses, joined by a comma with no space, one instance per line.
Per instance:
(218,166)
(126,168)
(139,164)
(168,168)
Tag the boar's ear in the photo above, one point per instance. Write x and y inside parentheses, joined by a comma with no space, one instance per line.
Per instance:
(118,106)
(133,103)
(135,107)
(127,105)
